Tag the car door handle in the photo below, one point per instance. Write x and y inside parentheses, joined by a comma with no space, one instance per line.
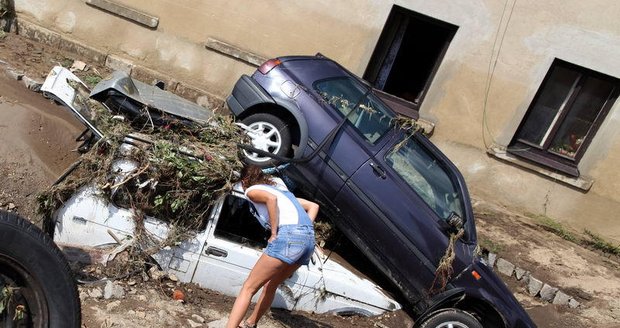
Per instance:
(378,170)
(216,251)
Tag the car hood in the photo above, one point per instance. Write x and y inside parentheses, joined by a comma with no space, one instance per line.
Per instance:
(66,88)
(151,96)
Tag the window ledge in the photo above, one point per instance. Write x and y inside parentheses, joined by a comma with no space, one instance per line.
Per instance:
(582,183)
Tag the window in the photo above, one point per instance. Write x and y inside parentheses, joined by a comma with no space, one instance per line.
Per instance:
(568,109)
(408,53)
(427,176)
(368,115)
(237,224)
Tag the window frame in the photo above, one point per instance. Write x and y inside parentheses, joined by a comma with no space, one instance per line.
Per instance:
(543,154)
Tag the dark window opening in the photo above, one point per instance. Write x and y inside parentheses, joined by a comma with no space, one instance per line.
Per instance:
(237,224)
(564,116)
(408,54)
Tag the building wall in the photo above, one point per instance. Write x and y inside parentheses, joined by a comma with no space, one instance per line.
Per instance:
(488,77)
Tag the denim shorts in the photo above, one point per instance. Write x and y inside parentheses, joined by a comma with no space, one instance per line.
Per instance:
(293,244)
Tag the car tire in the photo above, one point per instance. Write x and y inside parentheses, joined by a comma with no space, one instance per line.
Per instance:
(451,318)
(43,292)
(268,133)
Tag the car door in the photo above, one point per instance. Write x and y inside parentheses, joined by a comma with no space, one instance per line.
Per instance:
(401,199)
(235,242)
(360,123)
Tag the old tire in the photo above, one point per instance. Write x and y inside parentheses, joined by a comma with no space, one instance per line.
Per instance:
(268,133)
(44,293)
(451,318)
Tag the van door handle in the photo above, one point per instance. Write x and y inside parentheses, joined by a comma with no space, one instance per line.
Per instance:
(216,251)
(378,170)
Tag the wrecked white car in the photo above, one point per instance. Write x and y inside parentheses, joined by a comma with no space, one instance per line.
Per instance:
(220,253)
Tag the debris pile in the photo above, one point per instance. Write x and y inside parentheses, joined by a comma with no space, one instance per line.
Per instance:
(180,169)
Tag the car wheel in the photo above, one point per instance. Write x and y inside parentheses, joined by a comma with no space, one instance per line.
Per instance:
(268,133)
(451,319)
(37,288)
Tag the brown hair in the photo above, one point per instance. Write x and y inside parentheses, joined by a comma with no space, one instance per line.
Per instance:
(253,175)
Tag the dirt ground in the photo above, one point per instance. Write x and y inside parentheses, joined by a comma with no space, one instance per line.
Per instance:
(38,145)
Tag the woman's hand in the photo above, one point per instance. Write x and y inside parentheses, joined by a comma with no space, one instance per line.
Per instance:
(311,208)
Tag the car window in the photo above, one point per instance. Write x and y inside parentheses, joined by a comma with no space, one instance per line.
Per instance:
(368,115)
(237,224)
(427,176)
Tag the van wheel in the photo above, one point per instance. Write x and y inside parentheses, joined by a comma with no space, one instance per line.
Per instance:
(451,319)
(37,288)
(269,133)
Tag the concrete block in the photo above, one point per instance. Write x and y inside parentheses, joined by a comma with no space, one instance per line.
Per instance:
(561,298)
(32,84)
(126,12)
(188,92)
(526,277)
(534,286)
(519,273)
(113,290)
(119,64)
(547,293)
(14,74)
(573,303)
(89,53)
(491,260)
(234,52)
(505,267)
(37,33)
(151,77)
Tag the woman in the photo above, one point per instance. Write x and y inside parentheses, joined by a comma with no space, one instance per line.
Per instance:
(291,243)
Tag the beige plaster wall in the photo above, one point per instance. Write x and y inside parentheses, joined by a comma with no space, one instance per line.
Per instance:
(489,75)
(345,32)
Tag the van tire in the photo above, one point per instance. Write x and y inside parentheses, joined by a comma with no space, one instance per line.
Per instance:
(451,318)
(39,275)
(272,129)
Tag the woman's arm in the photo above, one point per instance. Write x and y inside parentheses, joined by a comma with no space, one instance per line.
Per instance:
(271,201)
(311,208)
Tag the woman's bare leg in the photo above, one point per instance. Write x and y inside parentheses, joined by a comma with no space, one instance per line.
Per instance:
(265,269)
(269,291)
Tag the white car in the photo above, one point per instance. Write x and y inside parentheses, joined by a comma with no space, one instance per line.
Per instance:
(221,254)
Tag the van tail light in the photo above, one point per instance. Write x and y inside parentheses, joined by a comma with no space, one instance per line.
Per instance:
(269,65)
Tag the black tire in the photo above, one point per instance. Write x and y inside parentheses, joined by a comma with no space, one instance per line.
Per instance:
(278,143)
(44,293)
(451,318)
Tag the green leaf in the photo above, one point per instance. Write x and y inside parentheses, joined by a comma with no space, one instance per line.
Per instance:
(159,200)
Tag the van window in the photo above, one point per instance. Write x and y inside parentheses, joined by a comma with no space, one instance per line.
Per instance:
(366,113)
(427,176)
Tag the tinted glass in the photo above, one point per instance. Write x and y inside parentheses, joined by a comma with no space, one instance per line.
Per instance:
(238,224)
(591,98)
(547,107)
(427,176)
(368,115)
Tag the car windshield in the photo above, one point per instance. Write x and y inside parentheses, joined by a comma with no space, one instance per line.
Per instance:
(368,115)
(428,177)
